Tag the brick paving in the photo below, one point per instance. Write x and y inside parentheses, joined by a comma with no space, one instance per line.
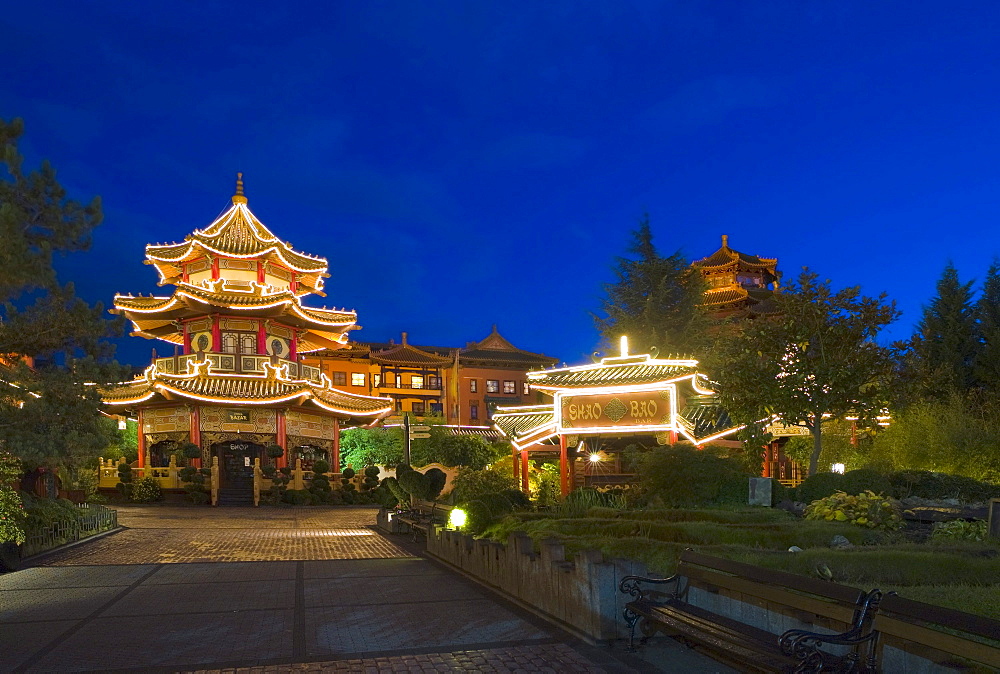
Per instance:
(271,590)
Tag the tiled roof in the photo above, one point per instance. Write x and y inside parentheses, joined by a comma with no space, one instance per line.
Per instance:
(725,295)
(406,354)
(236,389)
(522,422)
(726,256)
(703,416)
(641,370)
(495,349)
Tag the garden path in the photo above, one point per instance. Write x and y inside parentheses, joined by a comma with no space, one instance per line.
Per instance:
(274,589)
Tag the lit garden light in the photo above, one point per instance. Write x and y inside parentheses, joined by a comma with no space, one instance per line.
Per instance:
(595,458)
(457,519)
(837,468)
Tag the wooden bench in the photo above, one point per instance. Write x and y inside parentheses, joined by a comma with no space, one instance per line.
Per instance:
(944,636)
(779,599)
(422,515)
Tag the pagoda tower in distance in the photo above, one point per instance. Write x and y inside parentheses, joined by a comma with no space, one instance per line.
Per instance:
(739,285)
(238,327)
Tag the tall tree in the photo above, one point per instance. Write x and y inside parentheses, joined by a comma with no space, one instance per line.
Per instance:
(987,358)
(51,341)
(817,356)
(656,300)
(942,353)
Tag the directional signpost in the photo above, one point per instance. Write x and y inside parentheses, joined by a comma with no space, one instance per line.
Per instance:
(412,433)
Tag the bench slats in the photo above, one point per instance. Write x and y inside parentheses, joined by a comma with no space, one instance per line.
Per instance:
(820,588)
(772,593)
(940,615)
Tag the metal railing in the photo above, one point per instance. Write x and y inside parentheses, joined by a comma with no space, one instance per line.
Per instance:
(236,362)
(429,387)
(94,520)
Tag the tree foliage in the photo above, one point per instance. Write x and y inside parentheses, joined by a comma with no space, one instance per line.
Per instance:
(817,356)
(49,416)
(655,301)
(371,446)
(986,364)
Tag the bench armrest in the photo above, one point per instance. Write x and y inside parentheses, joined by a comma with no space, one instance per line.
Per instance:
(805,645)
(632,585)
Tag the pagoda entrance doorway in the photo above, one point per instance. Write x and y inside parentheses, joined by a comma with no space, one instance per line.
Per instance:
(236,459)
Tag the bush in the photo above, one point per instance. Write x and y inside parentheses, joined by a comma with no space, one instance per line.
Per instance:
(146,490)
(866,479)
(436,480)
(298,496)
(486,510)
(274,451)
(684,476)
(12,516)
(321,466)
(819,486)
(415,483)
(268,472)
(471,484)
(937,486)
(579,502)
(392,485)
(864,510)
(371,478)
(191,450)
(959,530)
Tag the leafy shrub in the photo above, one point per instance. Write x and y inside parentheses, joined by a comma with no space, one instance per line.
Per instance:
(471,484)
(866,479)
(371,478)
(864,510)
(415,483)
(191,450)
(124,485)
(436,480)
(268,472)
(42,513)
(12,516)
(146,490)
(937,486)
(959,530)
(684,476)
(274,451)
(392,485)
(321,466)
(579,502)
(486,510)
(819,486)
(298,496)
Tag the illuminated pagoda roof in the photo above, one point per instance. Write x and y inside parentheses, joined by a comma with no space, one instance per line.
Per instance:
(237,233)
(526,425)
(274,387)
(703,416)
(614,371)
(497,350)
(726,257)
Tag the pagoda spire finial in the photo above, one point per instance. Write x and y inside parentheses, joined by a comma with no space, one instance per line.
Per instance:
(725,240)
(239,197)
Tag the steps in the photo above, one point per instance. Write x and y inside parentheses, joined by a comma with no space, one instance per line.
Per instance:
(235,496)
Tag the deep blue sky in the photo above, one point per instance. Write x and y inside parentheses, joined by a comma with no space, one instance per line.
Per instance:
(468,163)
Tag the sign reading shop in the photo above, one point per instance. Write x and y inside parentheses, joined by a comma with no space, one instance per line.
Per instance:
(237,416)
(651,410)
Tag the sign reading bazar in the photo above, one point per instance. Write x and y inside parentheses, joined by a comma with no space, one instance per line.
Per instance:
(235,416)
(628,411)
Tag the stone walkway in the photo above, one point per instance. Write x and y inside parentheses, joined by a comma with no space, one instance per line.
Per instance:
(273,590)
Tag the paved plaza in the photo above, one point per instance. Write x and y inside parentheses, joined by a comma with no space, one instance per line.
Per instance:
(270,589)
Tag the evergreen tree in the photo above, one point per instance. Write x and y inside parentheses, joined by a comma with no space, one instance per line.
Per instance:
(987,360)
(51,342)
(656,301)
(943,351)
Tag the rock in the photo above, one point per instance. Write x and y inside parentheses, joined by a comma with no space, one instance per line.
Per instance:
(795,548)
(952,502)
(840,543)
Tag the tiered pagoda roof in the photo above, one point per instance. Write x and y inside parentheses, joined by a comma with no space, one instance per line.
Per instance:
(614,371)
(276,386)
(739,282)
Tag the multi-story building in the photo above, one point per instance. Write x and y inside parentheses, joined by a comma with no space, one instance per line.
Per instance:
(463,385)
(739,285)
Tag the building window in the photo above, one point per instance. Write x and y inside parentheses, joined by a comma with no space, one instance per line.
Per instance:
(525,388)
(434,382)
(509,387)
(340,378)
(358,379)
(376,380)
(473,412)
(417,381)
(473,386)
(437,408)
(493,386)
(418,408)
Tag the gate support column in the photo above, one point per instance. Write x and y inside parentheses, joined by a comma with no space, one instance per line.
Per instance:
(563,466)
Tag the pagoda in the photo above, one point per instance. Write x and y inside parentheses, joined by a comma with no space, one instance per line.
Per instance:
(238,328)
(739,285)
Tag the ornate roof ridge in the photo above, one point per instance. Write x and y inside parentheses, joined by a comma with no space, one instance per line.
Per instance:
(726,256)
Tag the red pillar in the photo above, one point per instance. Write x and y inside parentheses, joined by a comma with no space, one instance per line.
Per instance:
(195,433)
(282,439)
(260,272)
(215,268)
(335,459)
(216,335)
(141,443)
(261,339)
(293,351)
(563,466)
(524,471)
(187,339)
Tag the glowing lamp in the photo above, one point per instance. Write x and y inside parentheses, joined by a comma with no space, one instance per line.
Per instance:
(595,458)
(837,468)
(457,519)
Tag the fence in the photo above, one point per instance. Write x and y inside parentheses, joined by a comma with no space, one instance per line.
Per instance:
(94,520)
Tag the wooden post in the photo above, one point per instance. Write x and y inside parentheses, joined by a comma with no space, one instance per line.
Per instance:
(563,466)
(141,442)
(335,458)
(524,471)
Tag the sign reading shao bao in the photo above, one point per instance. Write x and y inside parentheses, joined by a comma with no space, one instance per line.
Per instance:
(617,410)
